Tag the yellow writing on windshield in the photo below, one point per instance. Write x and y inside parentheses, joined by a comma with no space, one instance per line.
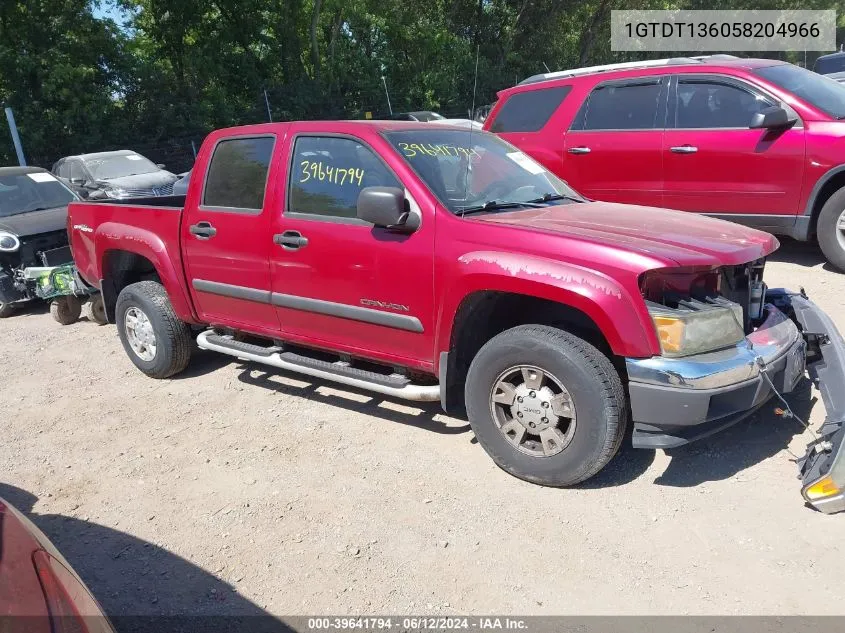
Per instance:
(429,149)
(318,170)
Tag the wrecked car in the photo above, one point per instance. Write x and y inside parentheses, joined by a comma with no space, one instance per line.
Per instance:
(432,263)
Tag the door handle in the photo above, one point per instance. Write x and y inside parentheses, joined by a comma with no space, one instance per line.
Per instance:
(683,149)
(290,240)
(579,150)
(202,230)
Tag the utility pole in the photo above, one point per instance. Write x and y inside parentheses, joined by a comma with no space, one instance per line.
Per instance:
(387,94)
(267,103)
(10,117)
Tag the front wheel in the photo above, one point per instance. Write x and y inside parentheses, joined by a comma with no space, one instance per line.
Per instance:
(831,230)
(547,406)
(66,310)
(153,336)
(6,310)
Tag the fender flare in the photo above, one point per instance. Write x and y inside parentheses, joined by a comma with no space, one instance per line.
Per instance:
(820,183)
(112,236)
(622,320)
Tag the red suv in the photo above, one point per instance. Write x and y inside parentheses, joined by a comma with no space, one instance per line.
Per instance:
(755,141)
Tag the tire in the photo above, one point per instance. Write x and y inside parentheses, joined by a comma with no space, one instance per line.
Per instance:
(598,413)
(163,342)
(831,238)
(97,310)
(6,310)
(66,310)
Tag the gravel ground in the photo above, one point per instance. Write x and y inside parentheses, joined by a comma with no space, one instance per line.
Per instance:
(233,490)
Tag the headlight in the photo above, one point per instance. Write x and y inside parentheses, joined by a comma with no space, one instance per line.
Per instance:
(695,327)
(115,192)
(9,242)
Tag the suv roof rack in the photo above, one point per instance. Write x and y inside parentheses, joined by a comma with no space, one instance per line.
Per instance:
(672,61)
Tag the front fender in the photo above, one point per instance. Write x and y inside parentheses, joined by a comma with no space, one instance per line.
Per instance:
(622,318)
(111,236)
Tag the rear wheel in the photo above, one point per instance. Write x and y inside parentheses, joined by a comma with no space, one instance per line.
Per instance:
(830,230)
(547,406)
(97,310)
(66,310)
(153,336)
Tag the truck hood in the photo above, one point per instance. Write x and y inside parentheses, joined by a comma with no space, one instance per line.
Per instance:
(35,222)
(685,238)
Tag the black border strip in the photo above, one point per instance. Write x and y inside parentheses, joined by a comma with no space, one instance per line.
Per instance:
(306,304)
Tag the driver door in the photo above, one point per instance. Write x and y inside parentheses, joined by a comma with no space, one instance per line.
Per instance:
(340,282)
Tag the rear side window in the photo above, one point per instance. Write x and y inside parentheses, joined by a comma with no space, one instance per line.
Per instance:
(329,172)
(620,107)
(237,174)
(529,111)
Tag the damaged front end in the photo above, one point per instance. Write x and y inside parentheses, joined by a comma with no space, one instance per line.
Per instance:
(729,344)
(822,469)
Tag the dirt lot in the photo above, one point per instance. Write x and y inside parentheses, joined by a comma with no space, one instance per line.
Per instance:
(231,490)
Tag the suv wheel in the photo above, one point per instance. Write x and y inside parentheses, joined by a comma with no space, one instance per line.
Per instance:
(547,406)
(153,336)
(6,310)
(830,230)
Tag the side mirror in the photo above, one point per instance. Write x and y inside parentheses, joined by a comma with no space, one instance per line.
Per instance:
(160,165)
(386,207)
(77,182)
(773,117)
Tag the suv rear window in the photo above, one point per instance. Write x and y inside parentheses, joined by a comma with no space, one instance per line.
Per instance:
(529,111)
(630,106)
(237,174)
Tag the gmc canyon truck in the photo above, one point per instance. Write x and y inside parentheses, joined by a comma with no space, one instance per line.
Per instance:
(433,263)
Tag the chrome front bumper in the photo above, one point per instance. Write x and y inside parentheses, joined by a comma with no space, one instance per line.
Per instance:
(677,400)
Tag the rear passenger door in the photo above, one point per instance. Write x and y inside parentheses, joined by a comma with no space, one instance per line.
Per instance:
(613,149)
(225,235)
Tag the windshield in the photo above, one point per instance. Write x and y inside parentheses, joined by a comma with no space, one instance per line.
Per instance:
(119,165)
(822,92)
(30,192)
(470,171)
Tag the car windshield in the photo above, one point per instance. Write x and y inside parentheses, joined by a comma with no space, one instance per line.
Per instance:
(477,170)
(817,90)
(32,191)
(119,165)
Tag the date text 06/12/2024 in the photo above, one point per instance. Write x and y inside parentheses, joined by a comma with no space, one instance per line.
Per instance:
(415,623)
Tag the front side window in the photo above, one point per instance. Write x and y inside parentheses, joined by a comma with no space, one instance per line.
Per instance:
(237,174)
(470,170)
(119,165)
(817,90)
(710,104)
(529,111)
(630,106)
(33,191)
(328,173)
(75,171)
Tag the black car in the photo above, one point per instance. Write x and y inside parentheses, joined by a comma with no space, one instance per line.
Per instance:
(33,232)
(114,175)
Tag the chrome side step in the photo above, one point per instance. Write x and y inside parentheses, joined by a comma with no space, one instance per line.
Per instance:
(342,372)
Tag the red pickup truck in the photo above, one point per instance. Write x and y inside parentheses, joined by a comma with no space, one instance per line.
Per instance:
(436,263)
(755,141)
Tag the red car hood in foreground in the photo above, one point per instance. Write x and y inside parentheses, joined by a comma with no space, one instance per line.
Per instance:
(686,238)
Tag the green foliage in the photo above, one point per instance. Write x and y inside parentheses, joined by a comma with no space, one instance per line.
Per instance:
(179,68)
